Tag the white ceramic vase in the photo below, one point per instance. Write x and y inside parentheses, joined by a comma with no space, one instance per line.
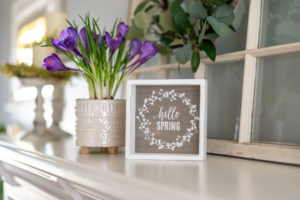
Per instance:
(100,123)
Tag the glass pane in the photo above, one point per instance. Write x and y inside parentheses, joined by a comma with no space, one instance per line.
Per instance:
(148,76)
(236,41)
(277,102)
(152,62)
(225,82)
(280,22)
(182,73)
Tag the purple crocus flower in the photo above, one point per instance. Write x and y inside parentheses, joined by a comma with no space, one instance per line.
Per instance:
(99,41)
(67,41)
(83,37)
(123,29)
(135,46)
(112,42)
(148,50)
(53,64)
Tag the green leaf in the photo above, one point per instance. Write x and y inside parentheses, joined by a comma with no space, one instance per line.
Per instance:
(134,32)
(202,34)
(223,11)
(196,9)
(220,28)
(195,60)
(140,7)
(227,20)
(211,36)
(141,20)
(166,20)
(180,19)
(149,8)
(174,1)
(192,34)
(209,48)
(165,40)
(225,14)
(163,50)
(184,53)
(215,2)
(176,42)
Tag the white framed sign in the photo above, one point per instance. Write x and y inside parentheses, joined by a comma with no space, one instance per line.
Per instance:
(166,119)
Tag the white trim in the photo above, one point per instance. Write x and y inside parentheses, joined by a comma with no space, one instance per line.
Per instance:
(107,184)
(130,119)
(259,151)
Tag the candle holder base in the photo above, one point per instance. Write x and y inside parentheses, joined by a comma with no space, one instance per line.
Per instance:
(39,136)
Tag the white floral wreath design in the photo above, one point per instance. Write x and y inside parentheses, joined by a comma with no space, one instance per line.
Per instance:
(145,123)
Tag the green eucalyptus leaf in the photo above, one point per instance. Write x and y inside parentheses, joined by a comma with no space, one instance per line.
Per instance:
(227,20)
(183,54)
(140,7)
(141,20)
(149,8)
(225,14)
(224,10)
(163,50)
(202,34)
(211,36)
(134,32)
(195,60)
(214,2)
(171,2)
(218,26)
(209,48)
(165,40)
(176,42)
(166,20)
(180,19)
(196,9)
(192,34)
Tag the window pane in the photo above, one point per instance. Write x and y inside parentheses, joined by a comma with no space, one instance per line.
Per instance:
(225,82)
(277,103)
(236,41)
(148,76)
(280,22)
(152,62)
(182,73)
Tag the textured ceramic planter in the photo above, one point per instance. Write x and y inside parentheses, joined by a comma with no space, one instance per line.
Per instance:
(100,123)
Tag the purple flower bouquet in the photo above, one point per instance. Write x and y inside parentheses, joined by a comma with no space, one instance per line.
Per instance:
(104,58)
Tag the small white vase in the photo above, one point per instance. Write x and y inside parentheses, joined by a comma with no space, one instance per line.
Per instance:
(100,123)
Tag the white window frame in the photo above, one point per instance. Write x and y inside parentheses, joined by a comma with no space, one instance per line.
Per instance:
(244,147)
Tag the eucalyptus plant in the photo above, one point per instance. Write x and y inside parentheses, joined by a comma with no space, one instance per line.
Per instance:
(183,27)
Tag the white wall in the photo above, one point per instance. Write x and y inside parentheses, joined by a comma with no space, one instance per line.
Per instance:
(5,92)
(106,10)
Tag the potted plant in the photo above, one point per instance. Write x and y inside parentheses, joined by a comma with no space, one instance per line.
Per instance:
(184,27)
(104,59)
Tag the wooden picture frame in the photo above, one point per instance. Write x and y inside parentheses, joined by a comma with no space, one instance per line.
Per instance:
(166,119)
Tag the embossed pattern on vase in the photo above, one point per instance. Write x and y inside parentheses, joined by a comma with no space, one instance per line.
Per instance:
(100,123)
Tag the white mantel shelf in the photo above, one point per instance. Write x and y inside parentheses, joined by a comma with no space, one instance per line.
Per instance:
(102,176)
